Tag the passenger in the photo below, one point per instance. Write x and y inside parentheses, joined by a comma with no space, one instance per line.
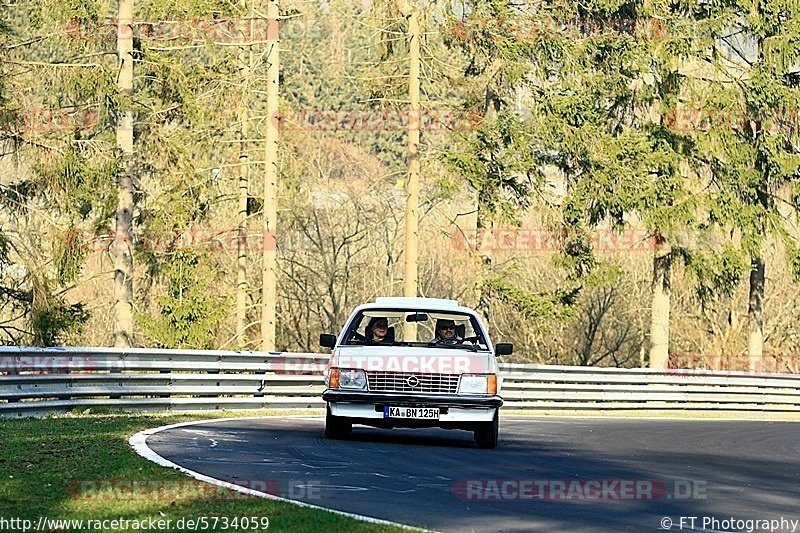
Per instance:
(378,329)
(446,332)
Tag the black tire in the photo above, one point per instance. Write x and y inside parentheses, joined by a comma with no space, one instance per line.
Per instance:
(487,434)
(336,427)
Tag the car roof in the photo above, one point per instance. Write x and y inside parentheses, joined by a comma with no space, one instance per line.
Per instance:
(416,304)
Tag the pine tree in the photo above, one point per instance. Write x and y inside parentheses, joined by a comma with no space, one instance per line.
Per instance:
(501,161)
(57,191)
(601,95)
(190,123)
(745,120)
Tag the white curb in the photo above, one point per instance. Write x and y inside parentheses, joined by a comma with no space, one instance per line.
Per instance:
(139,444)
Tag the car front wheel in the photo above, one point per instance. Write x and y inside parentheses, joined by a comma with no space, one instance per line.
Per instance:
(486,435)
(336,427)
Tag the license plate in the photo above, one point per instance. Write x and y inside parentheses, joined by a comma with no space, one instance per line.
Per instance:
(429,413)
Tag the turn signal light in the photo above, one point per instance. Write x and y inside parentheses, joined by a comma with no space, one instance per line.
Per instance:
(333,379)
(491,385)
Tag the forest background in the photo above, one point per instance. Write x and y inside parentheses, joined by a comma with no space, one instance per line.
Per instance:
(608,182)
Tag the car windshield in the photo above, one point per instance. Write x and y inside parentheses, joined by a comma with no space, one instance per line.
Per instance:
(423,328)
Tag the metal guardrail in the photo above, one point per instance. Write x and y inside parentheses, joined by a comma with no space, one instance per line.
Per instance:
(38,381)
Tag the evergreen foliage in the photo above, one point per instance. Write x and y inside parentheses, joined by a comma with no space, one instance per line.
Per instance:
(747,134)
(606,115)
(190,311)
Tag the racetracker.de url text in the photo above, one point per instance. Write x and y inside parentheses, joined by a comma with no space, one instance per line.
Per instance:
(200,523)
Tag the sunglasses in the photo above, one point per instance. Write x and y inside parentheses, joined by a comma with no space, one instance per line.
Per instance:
(451,326)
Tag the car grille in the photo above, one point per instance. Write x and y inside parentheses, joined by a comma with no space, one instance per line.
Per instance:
(398,382)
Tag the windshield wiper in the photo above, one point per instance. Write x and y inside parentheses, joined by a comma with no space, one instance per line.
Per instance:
(358,342)
(456,346)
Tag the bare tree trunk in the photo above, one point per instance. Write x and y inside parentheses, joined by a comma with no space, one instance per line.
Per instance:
(410,284)
(270,267)
(483,223)
(337,38)
(245,58)
(755,313)
(755,308)
(659,319)
(123,262)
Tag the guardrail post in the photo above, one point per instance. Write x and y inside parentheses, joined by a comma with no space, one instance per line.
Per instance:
(117,369)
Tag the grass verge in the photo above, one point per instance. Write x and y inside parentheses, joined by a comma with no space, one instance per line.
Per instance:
(76,467)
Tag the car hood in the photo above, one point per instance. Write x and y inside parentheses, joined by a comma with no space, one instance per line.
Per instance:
(414,360)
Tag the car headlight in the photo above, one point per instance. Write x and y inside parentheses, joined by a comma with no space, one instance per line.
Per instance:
(478,384)
(352,379)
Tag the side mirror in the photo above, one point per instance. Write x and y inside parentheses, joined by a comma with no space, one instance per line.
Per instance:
(504,348)
(326,340)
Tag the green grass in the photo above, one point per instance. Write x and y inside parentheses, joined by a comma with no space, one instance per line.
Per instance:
(43,462)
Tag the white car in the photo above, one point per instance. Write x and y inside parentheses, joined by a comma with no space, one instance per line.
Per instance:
(413,362)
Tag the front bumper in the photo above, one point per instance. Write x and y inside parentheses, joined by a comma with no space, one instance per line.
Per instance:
(367,407)
(411,400)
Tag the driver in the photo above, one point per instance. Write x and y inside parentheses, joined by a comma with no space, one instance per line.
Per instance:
(446,332)
(377,329)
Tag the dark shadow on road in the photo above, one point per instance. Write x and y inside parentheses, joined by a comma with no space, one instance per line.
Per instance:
(744,470)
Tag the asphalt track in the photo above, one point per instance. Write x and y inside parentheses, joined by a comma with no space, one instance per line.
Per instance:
(744,470)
